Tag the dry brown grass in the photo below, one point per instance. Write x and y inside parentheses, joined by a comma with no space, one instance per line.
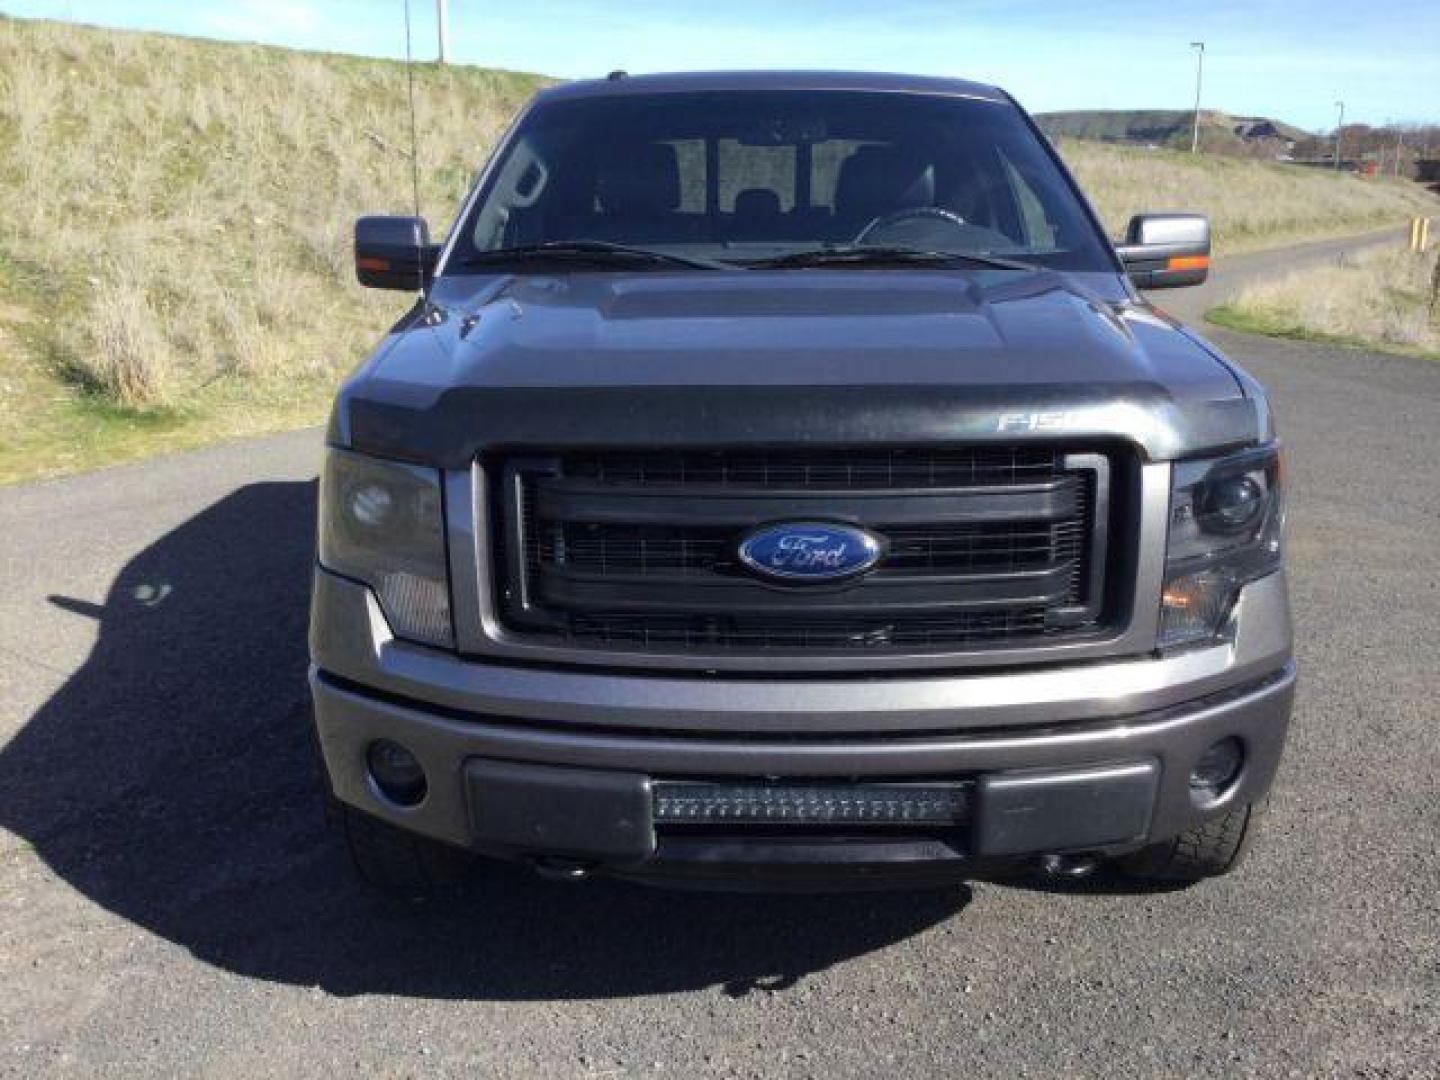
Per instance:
(176,216)
(213,186)
(1382,299)
(125,356)
(1251,204)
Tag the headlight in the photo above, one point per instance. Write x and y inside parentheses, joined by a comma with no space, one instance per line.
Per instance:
(382,523)
(1227,519)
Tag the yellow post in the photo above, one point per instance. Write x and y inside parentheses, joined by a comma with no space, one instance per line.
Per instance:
(1420,234)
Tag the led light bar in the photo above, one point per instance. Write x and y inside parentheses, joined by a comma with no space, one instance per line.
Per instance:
(693,803)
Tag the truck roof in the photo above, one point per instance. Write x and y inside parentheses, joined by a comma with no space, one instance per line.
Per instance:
(683,82)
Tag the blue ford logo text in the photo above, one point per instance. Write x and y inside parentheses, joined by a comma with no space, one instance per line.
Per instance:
(810,551)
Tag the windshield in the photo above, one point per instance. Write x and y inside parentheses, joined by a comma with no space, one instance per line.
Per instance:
(747,178)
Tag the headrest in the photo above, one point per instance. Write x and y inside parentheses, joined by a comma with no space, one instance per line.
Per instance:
(639,179)
(878,180)
(757,203)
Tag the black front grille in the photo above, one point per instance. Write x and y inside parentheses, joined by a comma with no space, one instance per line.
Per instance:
(983,547)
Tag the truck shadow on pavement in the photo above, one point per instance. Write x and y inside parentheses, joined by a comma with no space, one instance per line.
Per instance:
(172,781)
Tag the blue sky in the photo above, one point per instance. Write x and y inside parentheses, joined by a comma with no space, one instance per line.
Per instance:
(1290,59)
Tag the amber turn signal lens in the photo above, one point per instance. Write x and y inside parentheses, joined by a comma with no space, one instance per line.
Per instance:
(1188,262)
(1193,607)
(378,265)
(1176,599)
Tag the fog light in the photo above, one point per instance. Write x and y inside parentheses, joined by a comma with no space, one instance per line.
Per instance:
(396,772)
(1218,767)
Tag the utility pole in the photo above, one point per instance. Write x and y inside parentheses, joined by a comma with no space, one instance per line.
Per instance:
(1399,146)
(1199,76)
(1339,132)
(442,16)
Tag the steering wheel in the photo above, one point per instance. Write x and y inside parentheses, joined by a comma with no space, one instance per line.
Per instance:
(884,221)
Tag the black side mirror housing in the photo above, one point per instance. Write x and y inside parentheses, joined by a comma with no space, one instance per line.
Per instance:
(394,253)
(1166,251)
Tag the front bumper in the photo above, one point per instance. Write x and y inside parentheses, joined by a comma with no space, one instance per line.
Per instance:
(555,766)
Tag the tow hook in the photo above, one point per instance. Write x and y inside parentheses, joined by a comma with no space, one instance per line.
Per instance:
(553,869)
(1068,866)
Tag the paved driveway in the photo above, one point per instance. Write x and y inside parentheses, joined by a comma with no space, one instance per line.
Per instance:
(170,901)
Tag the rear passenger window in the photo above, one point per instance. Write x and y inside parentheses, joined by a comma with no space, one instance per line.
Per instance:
(690,156)
(742,168)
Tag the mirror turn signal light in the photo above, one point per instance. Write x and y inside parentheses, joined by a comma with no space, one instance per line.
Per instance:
(1188,262)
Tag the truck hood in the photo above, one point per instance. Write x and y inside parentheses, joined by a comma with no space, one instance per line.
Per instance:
(792,357)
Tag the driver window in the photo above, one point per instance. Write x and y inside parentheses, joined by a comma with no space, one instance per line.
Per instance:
(521,183)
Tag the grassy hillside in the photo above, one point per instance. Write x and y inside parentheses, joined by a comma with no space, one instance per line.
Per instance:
(175,219)
(1251,204)
(174,230)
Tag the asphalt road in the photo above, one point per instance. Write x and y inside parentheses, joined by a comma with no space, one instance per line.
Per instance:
(170,901)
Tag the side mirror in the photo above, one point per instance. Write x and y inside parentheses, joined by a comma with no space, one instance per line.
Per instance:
(1164,251)
(394,253)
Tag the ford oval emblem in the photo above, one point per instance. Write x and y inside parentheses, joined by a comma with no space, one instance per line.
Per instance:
(802,551)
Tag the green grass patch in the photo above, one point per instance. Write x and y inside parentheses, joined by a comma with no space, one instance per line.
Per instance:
(1268,324)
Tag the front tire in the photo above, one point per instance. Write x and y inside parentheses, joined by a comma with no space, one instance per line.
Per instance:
(1212,849)
(396,862)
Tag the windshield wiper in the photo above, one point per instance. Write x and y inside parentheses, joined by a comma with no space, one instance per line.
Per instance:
(596,253)
(889,256)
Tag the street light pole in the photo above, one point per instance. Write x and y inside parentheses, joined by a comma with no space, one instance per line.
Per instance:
(1199,76)
(442,16)
(1339,132)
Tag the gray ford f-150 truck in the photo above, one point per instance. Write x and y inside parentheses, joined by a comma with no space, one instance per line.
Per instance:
(781,482)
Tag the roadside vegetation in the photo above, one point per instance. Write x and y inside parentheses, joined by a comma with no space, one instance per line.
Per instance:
(175,222)
(1251,204)
(1387,299)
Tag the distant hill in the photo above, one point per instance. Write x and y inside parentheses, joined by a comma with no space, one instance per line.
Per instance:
(1224,133)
